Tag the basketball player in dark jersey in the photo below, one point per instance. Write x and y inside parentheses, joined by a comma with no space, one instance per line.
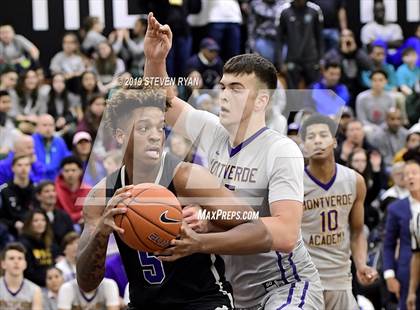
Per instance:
(192,282)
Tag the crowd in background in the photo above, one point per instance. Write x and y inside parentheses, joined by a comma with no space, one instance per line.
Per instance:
(53,148)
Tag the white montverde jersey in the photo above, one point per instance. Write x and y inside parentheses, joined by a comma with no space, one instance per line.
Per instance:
(265,168)
(21,299)
(326,228)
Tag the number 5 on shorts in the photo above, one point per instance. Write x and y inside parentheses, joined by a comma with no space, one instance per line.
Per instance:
(153,271)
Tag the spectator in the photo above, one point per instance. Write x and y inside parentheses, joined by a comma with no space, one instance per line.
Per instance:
(53,281)
(328,94)
(8,132)
(93,170)
(412,141)
(377,55)
(411,42)
(23,293)
(107,66)
(24,145)
(68,62)
(134,47)
(14,47)
(372,104)
(412,105)
(38,239)
(224,25)
(398,190)
(396,265)
(354,138)
(32,98)
(89,87)
(63,106)
(408,73)
(61,222)
(69,248)
(92,28)
(208,63)
(262,32)
(8,82)
(300,28)
(70,189)
(93,115)
(104,297)
(49,149)
(353,61)
(335,19)
(16,196)
(369,166)
(390,137)
(379,29)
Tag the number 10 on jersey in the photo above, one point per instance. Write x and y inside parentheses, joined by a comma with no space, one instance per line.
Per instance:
(329,220)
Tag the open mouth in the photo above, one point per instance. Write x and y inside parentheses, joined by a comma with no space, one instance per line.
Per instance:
(153,152)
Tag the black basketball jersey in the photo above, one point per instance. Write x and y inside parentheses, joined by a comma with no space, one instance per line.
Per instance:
(191,282)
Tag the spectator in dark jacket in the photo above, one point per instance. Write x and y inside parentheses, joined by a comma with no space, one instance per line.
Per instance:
(16,196)
(61,222)
(49,149)
(208,63)
(38,239)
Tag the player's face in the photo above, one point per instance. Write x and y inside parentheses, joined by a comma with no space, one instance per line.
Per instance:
(14,263)
(148,135)
(412,176)
(319,142)
(54,280)
(237,97)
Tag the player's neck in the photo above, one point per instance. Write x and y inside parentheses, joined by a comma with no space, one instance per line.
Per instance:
(323,169)
(13,282)
(415,195)
(145,175)
(245,130)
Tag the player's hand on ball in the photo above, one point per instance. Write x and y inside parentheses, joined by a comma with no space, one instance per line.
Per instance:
(107,224)
(158,40)
(190,217)
(367,275)
(189,243)
(411,301)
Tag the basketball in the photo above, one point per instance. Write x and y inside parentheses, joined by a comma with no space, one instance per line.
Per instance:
(152,220)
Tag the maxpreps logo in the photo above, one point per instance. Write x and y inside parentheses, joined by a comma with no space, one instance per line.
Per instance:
(227,215)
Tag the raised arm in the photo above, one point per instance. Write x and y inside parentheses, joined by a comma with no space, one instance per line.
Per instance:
(358,243)
(157,43)
(99,224)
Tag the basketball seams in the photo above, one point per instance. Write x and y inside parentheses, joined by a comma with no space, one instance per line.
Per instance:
(137,236)
(146,219)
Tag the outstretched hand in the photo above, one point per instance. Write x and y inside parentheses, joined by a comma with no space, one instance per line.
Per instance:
(158,40)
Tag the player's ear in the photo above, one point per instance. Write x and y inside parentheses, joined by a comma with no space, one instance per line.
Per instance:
(335,144)
(262,100)
(119,136)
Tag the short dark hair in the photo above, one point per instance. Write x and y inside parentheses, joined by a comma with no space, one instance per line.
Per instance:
(8,69)
(69,238)
(331,64)
(54,268)
(17,246)
(4,93)
(43,184)
(412,156)
(263,69)
(379,71)
(71,160)
(124,101)
(408,50)
(19,157)
(318,119)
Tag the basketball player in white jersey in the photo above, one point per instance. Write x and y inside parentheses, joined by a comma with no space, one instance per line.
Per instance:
(16,292)
(260,165)
(333,215)
(412,179)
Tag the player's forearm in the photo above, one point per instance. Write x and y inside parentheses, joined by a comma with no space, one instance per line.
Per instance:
(154,69)
(414,272)
(248,238)
(342,17)
(91,261)
(359,248)
(285,235)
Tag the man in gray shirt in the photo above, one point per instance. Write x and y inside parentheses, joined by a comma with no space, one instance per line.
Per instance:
(372,104)
(13,46)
